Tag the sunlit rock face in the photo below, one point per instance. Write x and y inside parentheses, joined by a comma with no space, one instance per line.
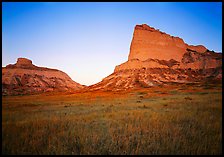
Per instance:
(156,58)
(148,42)
(26,78)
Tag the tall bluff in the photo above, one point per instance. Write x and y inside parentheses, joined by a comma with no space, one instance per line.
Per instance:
(158,58)
(148,43)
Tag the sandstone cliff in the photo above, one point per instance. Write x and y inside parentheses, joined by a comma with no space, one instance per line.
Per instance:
(157,58)
(148,42)
(26,78)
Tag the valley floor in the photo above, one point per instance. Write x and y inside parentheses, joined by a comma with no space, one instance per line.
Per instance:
(172,119)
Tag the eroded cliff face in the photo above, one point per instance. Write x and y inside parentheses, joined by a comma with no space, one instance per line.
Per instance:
(148,42)
(190,59)
(156,58)
(26,78)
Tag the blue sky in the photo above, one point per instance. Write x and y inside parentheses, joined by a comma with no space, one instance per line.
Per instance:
(87,40)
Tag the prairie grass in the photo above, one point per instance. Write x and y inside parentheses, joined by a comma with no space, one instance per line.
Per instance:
(142,121)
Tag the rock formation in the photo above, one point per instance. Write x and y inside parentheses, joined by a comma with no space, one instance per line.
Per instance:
(26,78)
(157,58)
(150,43)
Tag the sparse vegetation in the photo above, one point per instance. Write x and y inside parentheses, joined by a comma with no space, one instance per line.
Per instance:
(181,122)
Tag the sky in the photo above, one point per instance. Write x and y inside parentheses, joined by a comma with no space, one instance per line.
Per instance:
(87,40)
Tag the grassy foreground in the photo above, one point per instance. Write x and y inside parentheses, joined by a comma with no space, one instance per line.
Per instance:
(175,119)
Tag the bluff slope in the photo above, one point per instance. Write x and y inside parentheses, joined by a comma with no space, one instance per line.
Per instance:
(26,78)
(156,58)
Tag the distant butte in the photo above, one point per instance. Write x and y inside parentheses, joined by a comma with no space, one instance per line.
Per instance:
(26,78)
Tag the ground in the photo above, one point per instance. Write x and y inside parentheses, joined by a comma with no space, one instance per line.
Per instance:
(168,119)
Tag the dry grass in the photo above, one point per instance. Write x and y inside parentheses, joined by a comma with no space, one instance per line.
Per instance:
(161,120)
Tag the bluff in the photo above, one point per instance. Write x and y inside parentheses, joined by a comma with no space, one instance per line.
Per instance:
(156,58)
(26,78)
(149,42)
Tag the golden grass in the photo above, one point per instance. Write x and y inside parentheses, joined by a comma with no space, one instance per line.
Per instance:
(160,120)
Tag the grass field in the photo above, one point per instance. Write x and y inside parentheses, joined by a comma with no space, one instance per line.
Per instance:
(175,119)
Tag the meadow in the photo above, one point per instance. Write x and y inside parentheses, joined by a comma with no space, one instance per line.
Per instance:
(169,119)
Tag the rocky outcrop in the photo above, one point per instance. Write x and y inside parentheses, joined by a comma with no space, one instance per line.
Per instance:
(156,58)
(148,42)
(26,78)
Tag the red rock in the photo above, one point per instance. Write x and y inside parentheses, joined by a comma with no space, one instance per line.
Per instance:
(23,61)
(150,43)
(157,58)
(26,78)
